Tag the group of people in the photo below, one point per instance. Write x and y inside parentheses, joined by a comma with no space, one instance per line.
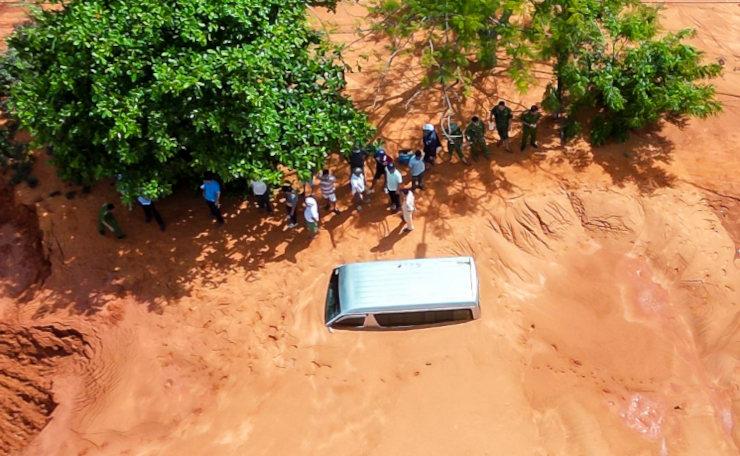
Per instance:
(386,169)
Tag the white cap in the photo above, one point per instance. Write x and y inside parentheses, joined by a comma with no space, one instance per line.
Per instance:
(428,127)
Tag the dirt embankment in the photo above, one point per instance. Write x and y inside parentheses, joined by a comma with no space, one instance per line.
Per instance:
(23,261)
(29,358)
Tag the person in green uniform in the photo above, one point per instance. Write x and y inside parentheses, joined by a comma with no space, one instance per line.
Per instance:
(106,220)
(475,133)
(529,127)
(454,141)
(501,115)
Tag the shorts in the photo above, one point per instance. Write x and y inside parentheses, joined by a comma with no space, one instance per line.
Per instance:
(503,133)
(313,227)
(332,197)
(429,158)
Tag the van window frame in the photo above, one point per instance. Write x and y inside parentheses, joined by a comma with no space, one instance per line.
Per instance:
(335,323)
(469,310)
(335,311)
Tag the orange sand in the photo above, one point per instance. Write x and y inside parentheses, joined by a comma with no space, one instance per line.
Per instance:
(609,286)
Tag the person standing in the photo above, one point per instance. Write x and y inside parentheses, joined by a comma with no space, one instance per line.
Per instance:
(409,206)
(357,160)
(501,116)
(212,195)
(381,161)
(417,169)
(393,181)
(106,220)
(357,187)
(431,145)
(475,133)
(529,127)
(328,186)
(291,205)
(261,192)
(455,142)
(150,211)
(311,214)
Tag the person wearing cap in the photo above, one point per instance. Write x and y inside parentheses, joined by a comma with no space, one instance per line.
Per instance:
(357,187)
(455,141)
(262,193)
(291,205)
(529,127)
(212,194)
(501,116)
(475,133)
(417,170)
(150,211)
(381,160)
(106,221)
(409,206)
(393,181)
(311,214)
(431,144)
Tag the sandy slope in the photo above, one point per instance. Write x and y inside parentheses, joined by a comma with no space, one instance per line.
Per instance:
(609,292)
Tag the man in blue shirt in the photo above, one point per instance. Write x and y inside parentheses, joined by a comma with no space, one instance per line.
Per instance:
(212,194)
(417,169)
(150,211)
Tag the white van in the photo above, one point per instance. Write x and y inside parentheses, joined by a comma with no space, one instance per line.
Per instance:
(393,294)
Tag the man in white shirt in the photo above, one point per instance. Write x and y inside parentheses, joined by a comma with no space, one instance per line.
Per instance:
(417,169)
(357,186)
(393,181)
(262,194)
(311,214)
(409,206)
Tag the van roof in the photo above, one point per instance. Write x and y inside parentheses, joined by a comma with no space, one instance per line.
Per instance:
(429,283)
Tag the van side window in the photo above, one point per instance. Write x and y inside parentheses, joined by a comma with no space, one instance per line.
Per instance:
(350,322)
(332,297)
(427,317)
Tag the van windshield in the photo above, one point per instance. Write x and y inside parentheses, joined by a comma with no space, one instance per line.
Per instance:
(332,297)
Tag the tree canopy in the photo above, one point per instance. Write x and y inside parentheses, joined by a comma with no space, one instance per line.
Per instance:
(610,61)
(456,38)
(611,64)
(153,92)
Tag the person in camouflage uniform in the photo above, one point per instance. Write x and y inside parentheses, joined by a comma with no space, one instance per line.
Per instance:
(475,133)
(106,220)
(501,115)
(455,141)
(529,127)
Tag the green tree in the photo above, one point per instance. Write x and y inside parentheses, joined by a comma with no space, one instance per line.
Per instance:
(611,64)
(155,91)
(454,38)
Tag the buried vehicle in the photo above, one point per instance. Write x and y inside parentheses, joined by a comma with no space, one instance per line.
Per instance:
(403,293)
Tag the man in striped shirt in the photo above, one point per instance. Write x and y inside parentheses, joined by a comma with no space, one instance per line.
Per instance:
(328,186)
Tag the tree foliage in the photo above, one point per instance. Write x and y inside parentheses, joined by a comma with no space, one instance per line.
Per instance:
(14,156)
(610,62)
(456,38)
(155,91)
